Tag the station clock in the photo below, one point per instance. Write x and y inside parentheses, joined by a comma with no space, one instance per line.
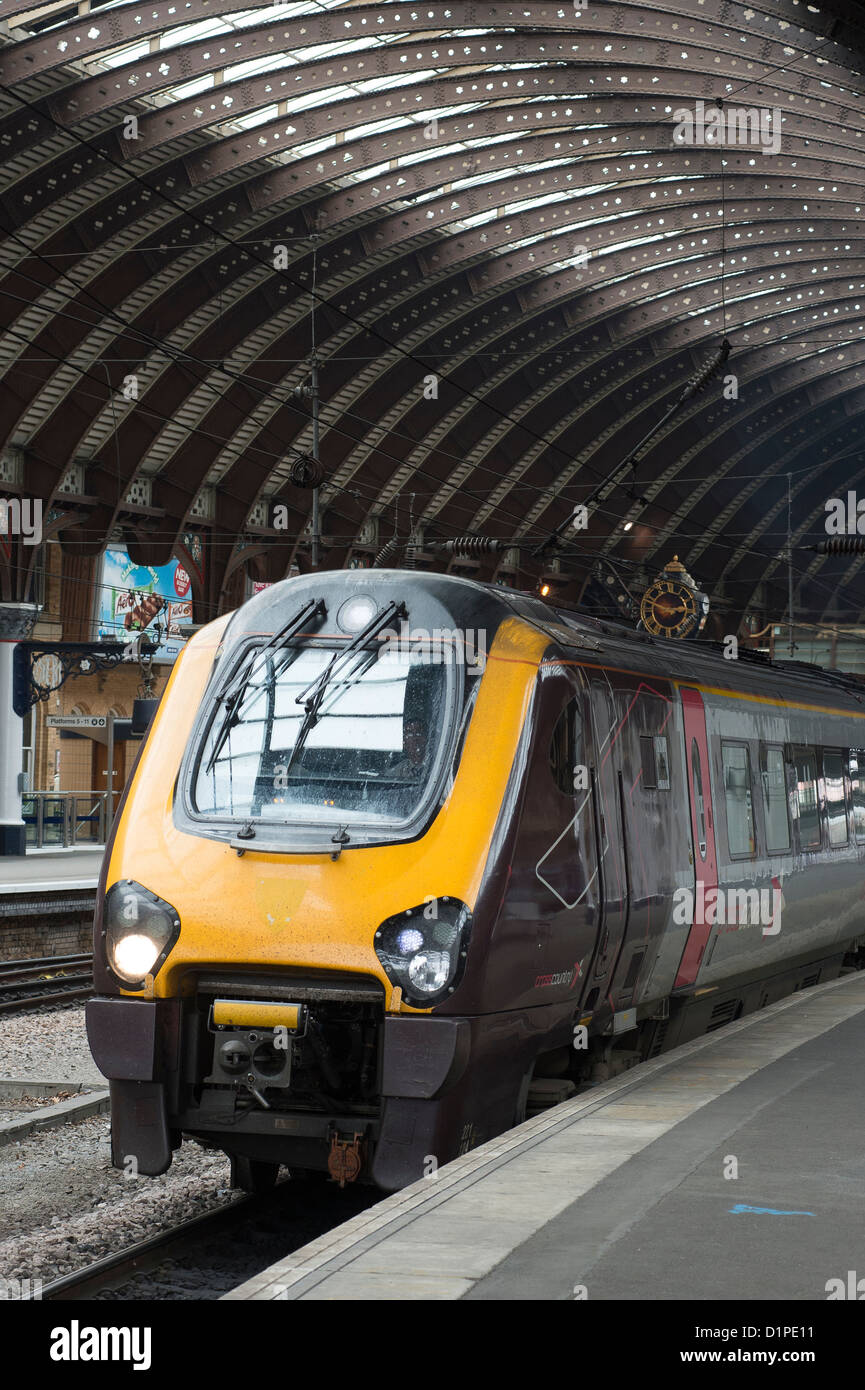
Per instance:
(672,606)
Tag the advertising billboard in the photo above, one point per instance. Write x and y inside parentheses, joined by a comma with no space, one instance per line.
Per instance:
(132,598)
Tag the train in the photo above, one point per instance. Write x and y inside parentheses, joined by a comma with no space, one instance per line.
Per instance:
(406,858)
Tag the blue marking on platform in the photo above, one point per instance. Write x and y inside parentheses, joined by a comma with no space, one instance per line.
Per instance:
(767,1211)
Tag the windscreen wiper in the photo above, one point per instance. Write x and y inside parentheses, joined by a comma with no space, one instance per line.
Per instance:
(314,693)
(235,687)
(311,696)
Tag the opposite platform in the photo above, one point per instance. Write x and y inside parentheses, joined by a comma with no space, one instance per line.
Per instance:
(627,1191)
(52,871)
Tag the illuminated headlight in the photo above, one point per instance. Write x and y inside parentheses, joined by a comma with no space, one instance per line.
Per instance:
(423,950)
(428,971)
(139,930)
(356,612)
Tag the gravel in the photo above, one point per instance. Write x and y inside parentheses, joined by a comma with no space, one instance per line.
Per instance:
(302,1212)
(15,1109)
(63,1205)
(47,1045)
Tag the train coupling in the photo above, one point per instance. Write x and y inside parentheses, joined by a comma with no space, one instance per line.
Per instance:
(346,1158)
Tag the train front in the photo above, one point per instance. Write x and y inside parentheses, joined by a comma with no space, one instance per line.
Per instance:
(302,882)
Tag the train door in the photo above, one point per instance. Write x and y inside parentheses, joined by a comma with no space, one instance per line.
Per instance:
(568,866)
(610,835)
(703,853)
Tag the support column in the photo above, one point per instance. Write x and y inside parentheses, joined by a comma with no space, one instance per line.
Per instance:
(16,622)
(315,555)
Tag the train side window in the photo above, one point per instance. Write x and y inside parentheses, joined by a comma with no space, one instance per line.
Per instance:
(566,747)
(662,762)
(857,780)
(773,779)
(836,803)
(805,768)
(737,791)
(654,762)
(700,807)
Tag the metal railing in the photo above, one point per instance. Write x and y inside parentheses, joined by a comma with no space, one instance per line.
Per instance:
(65,818)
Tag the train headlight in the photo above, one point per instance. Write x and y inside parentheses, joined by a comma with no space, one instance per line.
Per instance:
(428,971)
(140,928)
(356,612)
(424,949)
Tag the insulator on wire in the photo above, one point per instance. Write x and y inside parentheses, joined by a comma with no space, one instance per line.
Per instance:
(470,546)
(388,552)
(305,471)
(840,545)
(699,380)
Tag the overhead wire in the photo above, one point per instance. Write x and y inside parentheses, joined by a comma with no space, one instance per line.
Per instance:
(215,232)
(184,359)
(358,322)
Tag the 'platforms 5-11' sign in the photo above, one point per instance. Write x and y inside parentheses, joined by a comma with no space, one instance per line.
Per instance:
(76,721)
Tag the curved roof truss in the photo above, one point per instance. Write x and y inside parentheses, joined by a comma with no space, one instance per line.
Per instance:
(514,270)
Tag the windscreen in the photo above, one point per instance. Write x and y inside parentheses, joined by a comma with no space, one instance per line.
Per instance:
(312,740)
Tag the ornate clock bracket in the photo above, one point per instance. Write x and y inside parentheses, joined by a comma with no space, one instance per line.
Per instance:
(40,668)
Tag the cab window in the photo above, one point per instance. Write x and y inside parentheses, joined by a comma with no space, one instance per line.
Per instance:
(566,747)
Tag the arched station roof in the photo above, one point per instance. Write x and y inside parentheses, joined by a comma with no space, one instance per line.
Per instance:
(508,266)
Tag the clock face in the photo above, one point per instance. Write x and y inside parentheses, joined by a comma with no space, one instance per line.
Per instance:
(669,609)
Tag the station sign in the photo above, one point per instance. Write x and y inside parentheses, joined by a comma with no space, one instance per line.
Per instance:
(77,721)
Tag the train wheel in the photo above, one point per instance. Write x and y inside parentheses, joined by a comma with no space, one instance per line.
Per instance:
(253,1174)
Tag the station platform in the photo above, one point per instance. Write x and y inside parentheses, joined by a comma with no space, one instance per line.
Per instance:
(52,870)
(729,1168)
(47,899)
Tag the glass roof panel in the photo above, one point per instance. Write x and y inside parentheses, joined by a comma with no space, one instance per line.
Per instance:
(203,29)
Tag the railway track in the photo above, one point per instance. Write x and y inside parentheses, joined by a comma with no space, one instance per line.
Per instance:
(48,980)
(206,1256)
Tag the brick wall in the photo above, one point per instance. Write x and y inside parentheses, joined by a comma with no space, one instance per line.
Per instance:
(22,938)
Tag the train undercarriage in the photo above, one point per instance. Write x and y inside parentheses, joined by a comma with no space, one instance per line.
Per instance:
(312,1074)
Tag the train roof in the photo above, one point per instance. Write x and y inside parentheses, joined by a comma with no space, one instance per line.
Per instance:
(698,661)
(594,641)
